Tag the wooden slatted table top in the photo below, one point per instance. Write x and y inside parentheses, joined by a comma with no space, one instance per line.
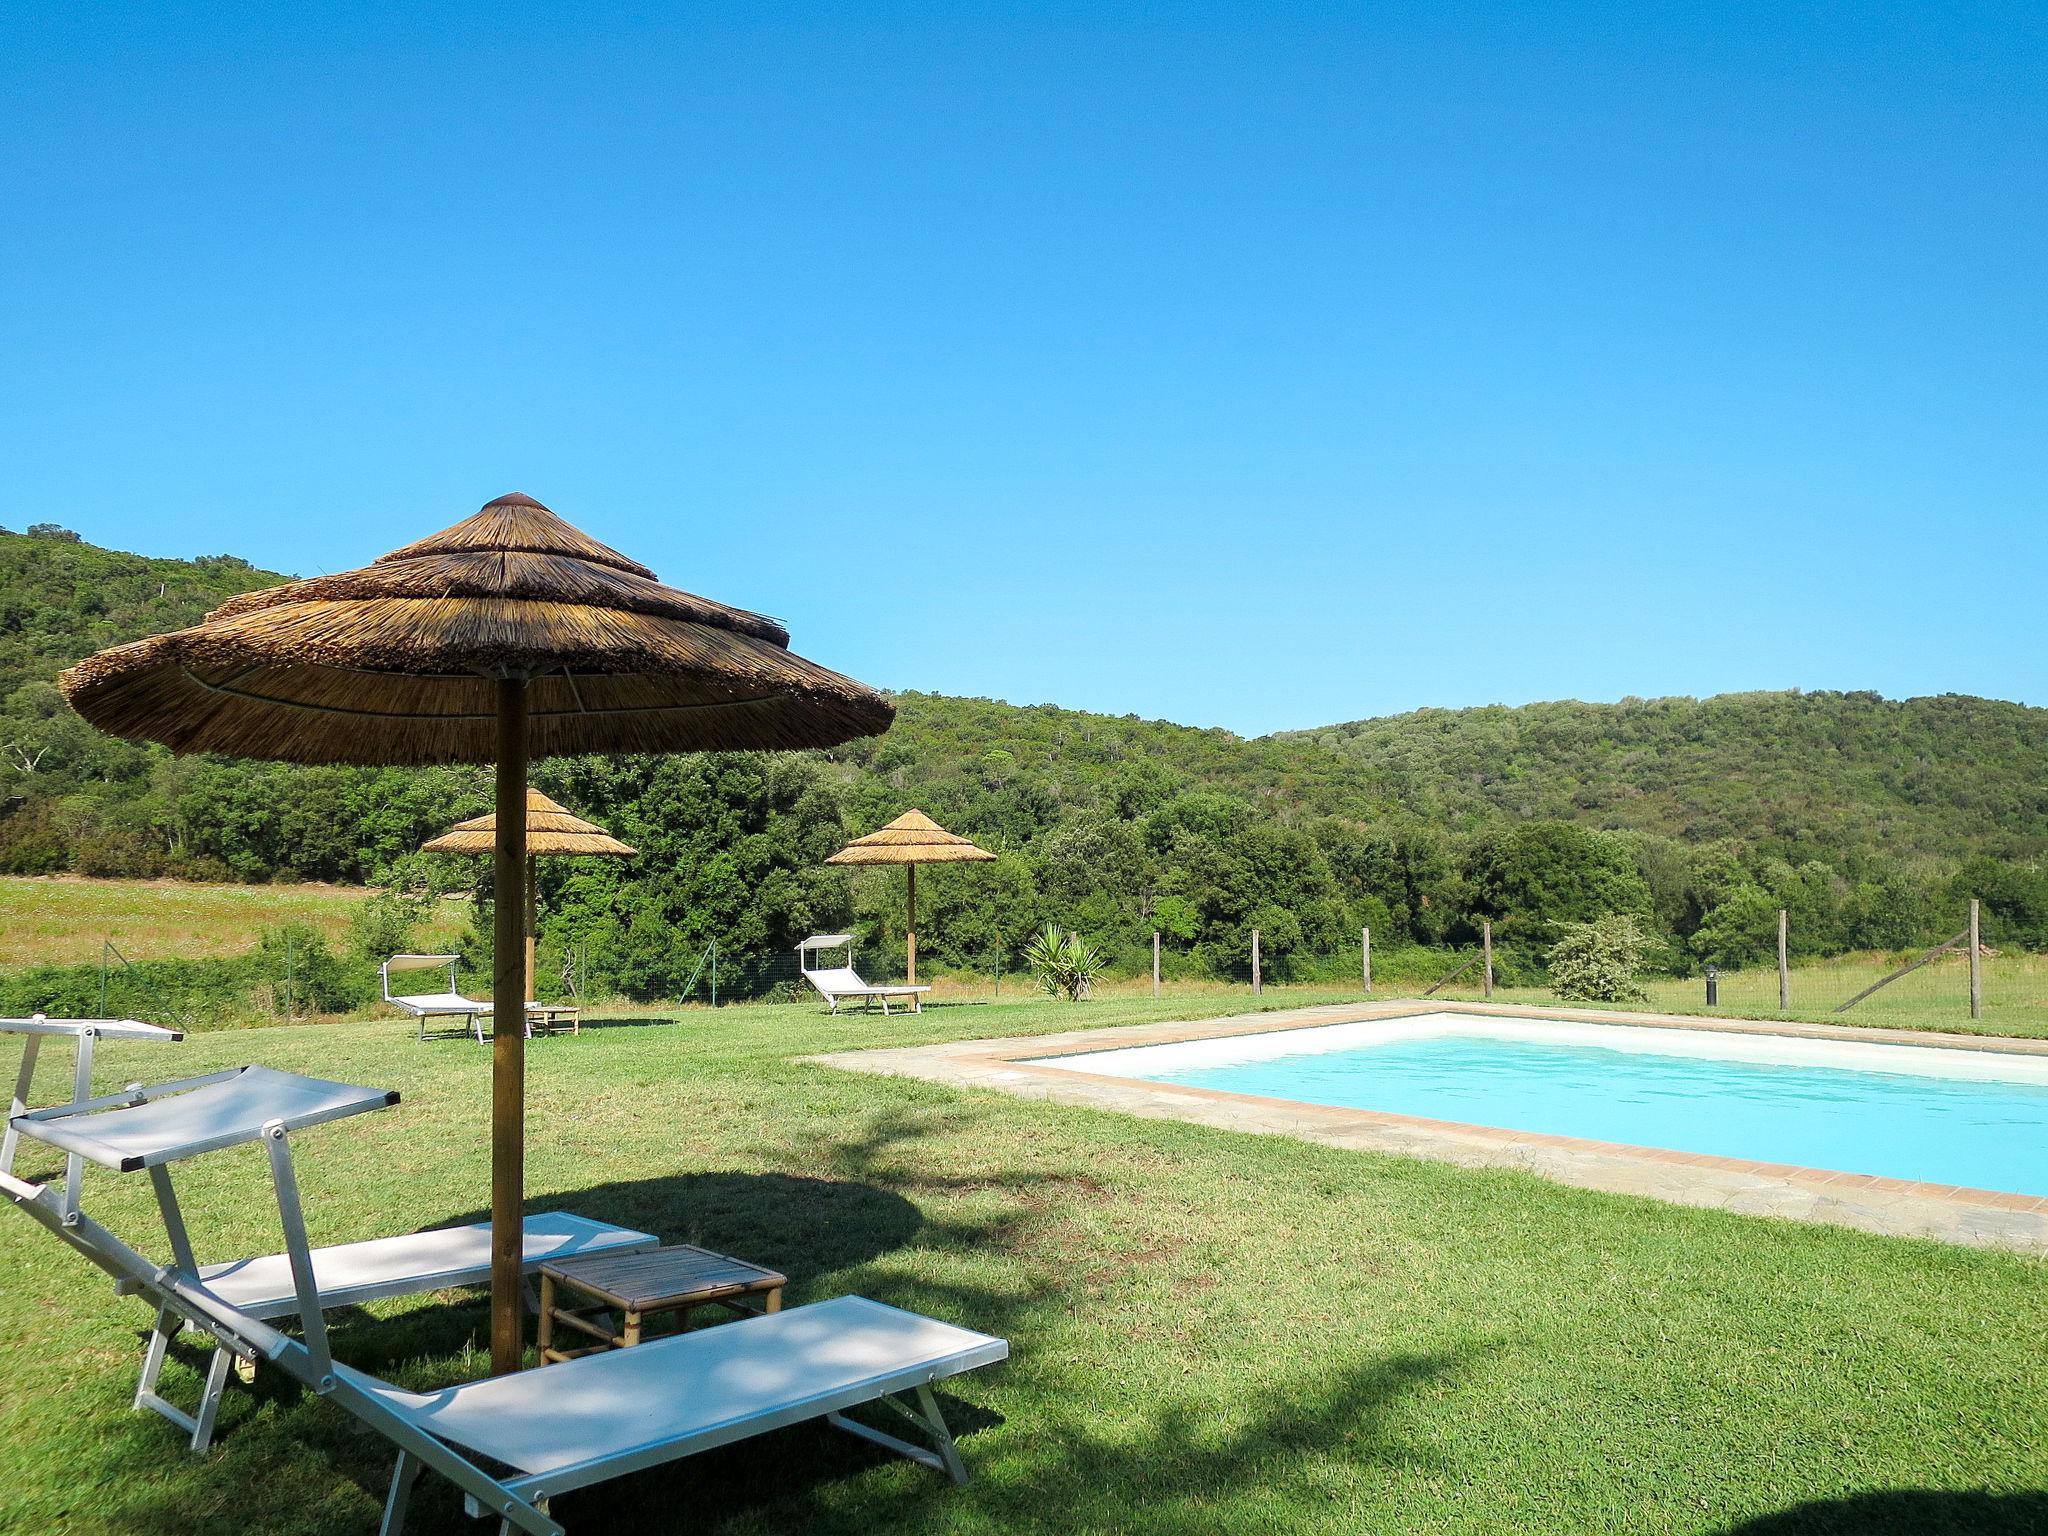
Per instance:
(663,1277)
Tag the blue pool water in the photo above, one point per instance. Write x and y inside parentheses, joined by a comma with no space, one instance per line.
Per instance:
(1983,1134)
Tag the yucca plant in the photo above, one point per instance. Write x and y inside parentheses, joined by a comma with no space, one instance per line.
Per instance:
(1064,962)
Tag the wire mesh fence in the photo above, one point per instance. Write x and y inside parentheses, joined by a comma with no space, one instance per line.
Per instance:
(1882,988)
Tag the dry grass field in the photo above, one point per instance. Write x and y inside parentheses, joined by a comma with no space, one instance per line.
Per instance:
(62,920)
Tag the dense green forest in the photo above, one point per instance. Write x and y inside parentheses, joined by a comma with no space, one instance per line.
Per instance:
(1802,775)
(1872,820)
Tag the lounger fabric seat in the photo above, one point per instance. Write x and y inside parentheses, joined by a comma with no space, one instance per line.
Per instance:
(350,1274)
(440,1002)
(598,1416)
(845,982)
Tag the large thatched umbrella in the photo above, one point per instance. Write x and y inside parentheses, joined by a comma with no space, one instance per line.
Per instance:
(910,840)
(550,832)
(508,636)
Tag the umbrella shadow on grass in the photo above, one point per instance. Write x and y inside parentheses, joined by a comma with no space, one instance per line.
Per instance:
(1907,1512)
(1076,1448)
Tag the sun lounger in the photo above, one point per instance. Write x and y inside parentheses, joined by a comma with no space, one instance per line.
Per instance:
(435,1005)
(842,982)
(350,1274)
(689,1392)
(558,1428)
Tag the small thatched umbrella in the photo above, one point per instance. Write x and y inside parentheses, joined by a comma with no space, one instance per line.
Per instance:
(551,832)
(510,635)
(910,840)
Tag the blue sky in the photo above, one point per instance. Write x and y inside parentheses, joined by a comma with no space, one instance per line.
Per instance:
(1256,366)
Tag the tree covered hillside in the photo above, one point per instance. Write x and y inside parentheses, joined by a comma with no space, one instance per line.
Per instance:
(61,599)
(1801,775)
(1870,820)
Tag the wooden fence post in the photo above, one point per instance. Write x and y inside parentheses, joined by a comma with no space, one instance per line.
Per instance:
(1155,965)
(1365,943)
(1784,968)
(1255,962)
(1976,965)
(1486,943)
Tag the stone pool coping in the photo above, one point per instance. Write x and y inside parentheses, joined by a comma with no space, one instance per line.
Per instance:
(1895,1207)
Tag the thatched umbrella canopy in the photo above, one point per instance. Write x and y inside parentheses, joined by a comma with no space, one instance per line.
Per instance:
(910,840)
(508,636)
(550,831)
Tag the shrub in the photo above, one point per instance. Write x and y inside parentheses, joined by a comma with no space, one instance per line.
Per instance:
(1598,962)
(382,925)
(303,975)
(1064,962)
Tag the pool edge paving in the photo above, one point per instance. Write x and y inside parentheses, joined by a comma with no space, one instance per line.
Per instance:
(1892,1207)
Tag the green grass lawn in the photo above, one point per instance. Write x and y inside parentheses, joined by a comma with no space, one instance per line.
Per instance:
(1212,1332)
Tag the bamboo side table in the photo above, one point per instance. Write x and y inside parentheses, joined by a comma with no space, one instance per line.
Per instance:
(640,1286)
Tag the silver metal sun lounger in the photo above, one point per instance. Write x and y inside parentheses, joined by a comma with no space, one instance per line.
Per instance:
(351,1274)
(562,1427)
(435,1005)
(839,982)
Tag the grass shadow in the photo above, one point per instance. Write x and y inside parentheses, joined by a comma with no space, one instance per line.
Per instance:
(1907,1512)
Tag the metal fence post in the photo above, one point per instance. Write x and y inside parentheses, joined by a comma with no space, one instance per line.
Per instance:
(1365,945)
(1976,964)
(714,973)
(1256,988)
(1155,964)
(1486,943)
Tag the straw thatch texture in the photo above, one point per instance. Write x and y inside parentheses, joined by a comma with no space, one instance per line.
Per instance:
(912,838)
(395,663)
(550,830)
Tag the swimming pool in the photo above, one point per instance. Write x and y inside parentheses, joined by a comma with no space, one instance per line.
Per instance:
(1974,1118)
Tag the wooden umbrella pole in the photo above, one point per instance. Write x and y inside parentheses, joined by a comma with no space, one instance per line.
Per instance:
(508,1036)
(532,931)
(910,932)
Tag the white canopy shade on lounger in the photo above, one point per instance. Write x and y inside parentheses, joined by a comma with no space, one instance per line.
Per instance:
(105,1029)
(199,1114)
(82,1032)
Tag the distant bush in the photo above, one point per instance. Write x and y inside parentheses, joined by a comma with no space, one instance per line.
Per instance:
(382,924)
(303,976)
(1598,962)
(1065,963)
